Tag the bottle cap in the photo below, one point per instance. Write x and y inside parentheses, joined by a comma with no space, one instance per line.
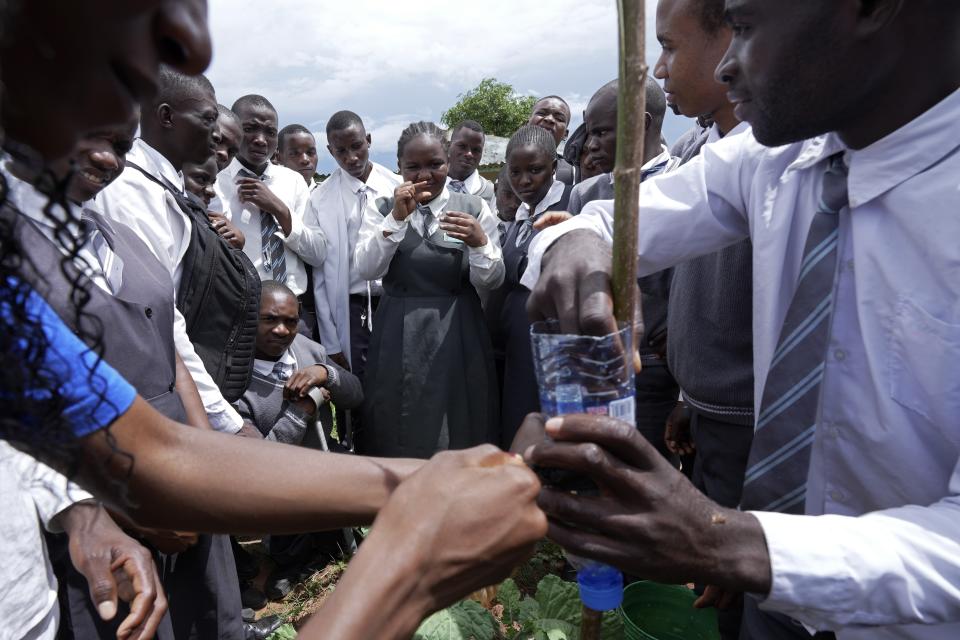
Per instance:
(601,587)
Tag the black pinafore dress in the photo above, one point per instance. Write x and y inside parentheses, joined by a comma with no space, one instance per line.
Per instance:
(430,378)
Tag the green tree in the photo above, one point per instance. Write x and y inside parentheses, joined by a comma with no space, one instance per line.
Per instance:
(494,105)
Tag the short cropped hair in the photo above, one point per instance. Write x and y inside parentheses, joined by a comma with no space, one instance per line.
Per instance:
(225,112)
(252,101)
(417,129)
(473,125)
(552,97)
(290,130)
(530,134)
(344,120)
(175,87)
(268,287)
(711,15)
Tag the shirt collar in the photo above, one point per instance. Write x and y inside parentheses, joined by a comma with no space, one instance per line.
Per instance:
(236,166)
(351,184)
(155,163)
(471,182)
(265,367)
(437,204)
(893,159)
(554,195)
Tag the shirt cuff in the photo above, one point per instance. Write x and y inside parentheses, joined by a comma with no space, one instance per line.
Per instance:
(395,228)
(296,230)
(226,421)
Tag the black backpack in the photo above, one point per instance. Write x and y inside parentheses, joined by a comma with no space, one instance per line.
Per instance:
(219,297)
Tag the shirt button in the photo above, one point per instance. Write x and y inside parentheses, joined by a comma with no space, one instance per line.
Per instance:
(849,265)
(836,495)
(148,312)
(840,355)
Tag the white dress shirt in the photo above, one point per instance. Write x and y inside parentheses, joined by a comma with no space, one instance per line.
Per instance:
(153,213)
(553,196)
(375,252)
(303,245)
(474,184)
(31,496)
(884,464)
(335,207)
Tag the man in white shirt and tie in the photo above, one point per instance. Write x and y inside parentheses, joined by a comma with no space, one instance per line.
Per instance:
(850,515)
(465,154)
(345,300)
(267,201)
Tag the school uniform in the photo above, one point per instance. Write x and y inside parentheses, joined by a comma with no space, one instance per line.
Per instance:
(656,390)
(430,380)
(508,312)
(154,215)
(131,299)
(276,256)
(280,420)
(476,185)
(345,299)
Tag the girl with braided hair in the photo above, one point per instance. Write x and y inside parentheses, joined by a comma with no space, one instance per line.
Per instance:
(430,379)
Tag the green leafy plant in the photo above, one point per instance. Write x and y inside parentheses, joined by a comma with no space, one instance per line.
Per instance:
(286,632)
(553,614)
(495,105)
(466,620)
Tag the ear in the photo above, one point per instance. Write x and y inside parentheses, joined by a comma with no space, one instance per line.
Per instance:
(875,15)
(369,139)
(165,115)
(330,149)
(647,121)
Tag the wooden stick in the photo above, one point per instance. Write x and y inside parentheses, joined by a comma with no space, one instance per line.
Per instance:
(631,112)
(590,623)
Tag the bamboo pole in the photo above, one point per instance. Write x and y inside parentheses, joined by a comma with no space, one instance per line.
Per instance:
(631,111)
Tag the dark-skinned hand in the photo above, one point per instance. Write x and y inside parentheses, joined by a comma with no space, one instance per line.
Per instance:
(677,436)
(407,197)
(257,193)
(303,380)
(227,230)
(463,227)
(648,520)
(116,567)
(551,218)
(466,518)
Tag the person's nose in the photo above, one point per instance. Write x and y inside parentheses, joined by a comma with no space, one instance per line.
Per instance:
(182,35)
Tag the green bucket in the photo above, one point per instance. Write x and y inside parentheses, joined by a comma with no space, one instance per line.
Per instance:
(652,611)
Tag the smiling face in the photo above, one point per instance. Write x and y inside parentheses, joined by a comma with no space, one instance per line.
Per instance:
(350,147)
(98,159)
(259,136)
(299,152)
(424,160)
(277,327)
(795,70)
(531,173)
(600,145)
(553,115)
(466,150)
(73,67)
(199,179)
(228,140)
(689,56)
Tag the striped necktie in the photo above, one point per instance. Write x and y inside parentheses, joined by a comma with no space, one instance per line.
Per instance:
(280,372)
(779,461)
(110,262)
(271,244)
(458,186)
(428,220)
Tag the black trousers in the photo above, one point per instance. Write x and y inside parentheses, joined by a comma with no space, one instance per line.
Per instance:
(360,332)
(657,394)
(718,471)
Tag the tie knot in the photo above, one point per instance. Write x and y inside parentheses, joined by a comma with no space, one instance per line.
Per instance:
(458,186)
(835,196)
(246,173)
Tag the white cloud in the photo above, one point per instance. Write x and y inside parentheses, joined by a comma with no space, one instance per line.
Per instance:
(394,62)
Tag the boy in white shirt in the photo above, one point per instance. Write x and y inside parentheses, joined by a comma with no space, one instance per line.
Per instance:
(465,154)
(346,299)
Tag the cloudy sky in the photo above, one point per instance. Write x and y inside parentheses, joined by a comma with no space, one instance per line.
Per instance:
(397,62)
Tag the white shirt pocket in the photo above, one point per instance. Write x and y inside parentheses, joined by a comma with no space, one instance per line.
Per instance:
(924,365)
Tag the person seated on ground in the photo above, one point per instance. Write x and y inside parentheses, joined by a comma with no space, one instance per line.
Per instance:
(507,200)
(68,406)
(553,114)
(198,181)
(289,400)
(430,383)
(297,151)
(531,162)
(228,136)
(466,152)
